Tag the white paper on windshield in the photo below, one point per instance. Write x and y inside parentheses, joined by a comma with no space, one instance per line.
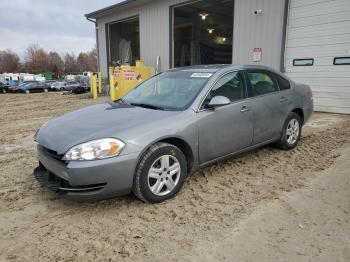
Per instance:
(201,75)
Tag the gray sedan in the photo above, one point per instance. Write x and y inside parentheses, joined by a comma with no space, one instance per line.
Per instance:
(168,127)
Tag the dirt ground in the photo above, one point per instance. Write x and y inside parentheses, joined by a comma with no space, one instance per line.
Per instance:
(266,205)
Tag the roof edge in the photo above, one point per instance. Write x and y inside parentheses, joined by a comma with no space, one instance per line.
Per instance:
(108,8)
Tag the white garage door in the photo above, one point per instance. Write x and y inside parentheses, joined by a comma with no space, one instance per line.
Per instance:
(318,51)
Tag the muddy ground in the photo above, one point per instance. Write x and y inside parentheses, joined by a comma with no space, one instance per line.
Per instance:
(37,226)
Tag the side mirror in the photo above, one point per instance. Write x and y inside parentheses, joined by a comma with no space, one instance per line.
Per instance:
(218,101)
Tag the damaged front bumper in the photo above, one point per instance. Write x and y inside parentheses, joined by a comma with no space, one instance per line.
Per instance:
(85,180)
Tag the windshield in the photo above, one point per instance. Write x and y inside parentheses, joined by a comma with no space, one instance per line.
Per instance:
(169,90)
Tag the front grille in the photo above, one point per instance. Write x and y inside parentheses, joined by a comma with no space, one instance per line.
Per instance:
(60,185)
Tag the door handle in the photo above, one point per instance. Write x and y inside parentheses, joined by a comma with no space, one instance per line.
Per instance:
(283,99)
(244,109)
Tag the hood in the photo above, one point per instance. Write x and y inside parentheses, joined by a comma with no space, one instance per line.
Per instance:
(95,122)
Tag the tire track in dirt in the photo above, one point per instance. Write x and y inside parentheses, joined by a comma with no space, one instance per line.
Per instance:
(37,226)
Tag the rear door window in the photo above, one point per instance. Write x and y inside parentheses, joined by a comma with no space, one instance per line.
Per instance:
(262,83)
(283,83)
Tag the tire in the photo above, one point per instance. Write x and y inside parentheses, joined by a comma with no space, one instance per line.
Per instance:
(4,91)
(46,90)
(160,185)
(27,91)
(291,132)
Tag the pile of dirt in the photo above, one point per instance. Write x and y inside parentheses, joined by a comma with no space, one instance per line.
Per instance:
(36,225)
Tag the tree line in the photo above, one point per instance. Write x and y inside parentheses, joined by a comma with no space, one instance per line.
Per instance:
(36,60)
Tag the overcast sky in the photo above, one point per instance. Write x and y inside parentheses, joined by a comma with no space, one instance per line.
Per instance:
(57,25)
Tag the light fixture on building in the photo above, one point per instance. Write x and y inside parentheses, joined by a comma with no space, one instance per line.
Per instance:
(203,15)
(210,30)
(224,39)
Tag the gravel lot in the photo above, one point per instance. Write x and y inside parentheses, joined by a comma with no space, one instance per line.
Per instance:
(37,226)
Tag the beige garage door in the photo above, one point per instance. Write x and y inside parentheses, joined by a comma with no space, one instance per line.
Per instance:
(318,51)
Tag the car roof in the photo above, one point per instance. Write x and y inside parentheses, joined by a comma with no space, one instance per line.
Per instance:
(215,68)
(199,68)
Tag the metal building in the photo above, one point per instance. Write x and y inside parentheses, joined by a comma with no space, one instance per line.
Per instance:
(309,40)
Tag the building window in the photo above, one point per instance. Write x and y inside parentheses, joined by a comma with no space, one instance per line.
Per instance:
(303,62)
(341,60)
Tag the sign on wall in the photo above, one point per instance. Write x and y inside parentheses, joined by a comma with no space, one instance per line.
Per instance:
(257,52)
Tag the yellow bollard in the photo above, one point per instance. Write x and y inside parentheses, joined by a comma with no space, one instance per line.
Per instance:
(100,82)
(91,82)
(94,87)
(111,84)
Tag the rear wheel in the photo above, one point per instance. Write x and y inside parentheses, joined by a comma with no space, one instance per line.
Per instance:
(291,132)
(160,173)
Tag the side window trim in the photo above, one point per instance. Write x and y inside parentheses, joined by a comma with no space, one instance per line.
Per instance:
(270,74)
(246,93)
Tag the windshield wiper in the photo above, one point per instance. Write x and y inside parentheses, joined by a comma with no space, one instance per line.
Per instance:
(147,106)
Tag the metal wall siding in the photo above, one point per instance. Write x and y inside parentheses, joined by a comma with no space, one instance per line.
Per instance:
(250,31)
(154,31)
(262,30)
(320,29)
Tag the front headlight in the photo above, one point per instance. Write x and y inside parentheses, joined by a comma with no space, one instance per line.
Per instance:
(94,150)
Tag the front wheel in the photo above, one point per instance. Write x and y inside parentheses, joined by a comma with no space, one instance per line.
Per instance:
(291,132)
(160,173)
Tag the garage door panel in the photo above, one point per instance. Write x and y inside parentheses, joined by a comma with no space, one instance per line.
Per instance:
(332,109)
(321,101)
(341,96)
(328,69)
(318,40)
(335,75)
(325,84)
(300,3)
(330,89)
(318,9)
(319,30)
(320,61)
(324,19)
(330,51)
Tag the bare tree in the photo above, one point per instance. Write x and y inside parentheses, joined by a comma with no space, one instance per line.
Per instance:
(88,61)
(93,59)
(35,59)
(55,64)
(83,61)
(70,64)
(9,61)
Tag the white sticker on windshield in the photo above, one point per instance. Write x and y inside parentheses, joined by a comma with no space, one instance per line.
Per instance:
(202,75)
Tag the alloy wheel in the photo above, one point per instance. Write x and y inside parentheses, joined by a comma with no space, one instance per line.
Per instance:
(164,175)
(292,132)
